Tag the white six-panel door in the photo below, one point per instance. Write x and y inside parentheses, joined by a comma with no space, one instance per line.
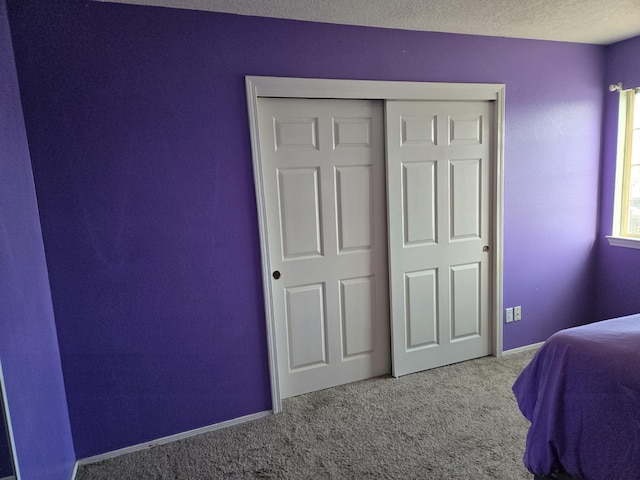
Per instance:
(438,182)
(324,192)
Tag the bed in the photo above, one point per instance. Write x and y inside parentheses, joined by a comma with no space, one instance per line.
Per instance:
(581,393)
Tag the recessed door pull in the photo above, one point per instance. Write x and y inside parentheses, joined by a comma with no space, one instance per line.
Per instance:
(485,249)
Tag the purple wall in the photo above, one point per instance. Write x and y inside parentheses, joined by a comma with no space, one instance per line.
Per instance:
(28,341)
(618,279)
(140,147)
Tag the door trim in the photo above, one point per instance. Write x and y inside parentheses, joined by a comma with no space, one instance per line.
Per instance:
(286,87)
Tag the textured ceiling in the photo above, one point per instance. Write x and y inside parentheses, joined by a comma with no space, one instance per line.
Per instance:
(583,21)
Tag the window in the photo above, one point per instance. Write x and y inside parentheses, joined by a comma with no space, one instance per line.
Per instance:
(626,216)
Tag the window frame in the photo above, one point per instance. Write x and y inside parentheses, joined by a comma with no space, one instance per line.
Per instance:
(629,100)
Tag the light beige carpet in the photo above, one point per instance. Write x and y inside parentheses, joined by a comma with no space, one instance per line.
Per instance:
(454,422)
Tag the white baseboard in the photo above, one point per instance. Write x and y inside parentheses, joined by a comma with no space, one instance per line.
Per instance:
(74,472)
(170,438)
(533,346)
(8,478)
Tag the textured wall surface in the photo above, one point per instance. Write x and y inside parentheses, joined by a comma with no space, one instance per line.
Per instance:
(139,139)
(618,278)
(28,341)
(583,21)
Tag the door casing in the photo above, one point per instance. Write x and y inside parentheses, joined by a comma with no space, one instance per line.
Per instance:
(286,87)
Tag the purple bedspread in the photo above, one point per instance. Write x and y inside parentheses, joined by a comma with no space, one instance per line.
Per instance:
(581,393)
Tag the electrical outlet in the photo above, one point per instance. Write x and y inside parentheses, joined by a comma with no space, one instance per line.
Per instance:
(517,313)
(508,317)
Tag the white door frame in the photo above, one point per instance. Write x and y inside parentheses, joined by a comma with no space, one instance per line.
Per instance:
(382,90)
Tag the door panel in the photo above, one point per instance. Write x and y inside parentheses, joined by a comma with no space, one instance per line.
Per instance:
(357,313)
(354,203)
(421,290)
(297,133)
(420,201)
(299,207)
(307,326)
(466,203)
(438,187)
(324,188)
(465,300)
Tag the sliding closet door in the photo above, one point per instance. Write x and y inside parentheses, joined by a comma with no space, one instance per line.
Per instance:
(438,185)
(324,189)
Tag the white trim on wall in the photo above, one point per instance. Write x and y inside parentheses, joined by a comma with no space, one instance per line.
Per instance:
(525,348)
(170,438)
(7,418)
(498,227)
(285,87)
